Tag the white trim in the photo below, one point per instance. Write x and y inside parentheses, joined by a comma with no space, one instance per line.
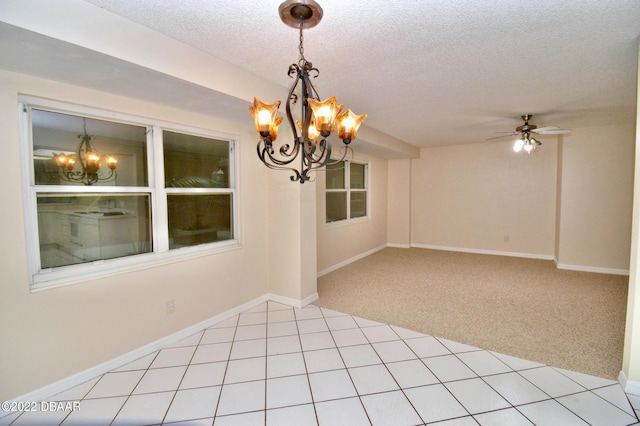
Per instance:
(61,385)
(45,279)
(351,260)
(404,246)
(480,251)
(348,190)
(101,269)
(293,302)
(346,222)
(595,269)
(629,386)
(48,391)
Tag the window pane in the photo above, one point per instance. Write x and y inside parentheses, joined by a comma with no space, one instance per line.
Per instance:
(55,133)
(335,176)
(80,228)
(357,176)
(199,219)
(336,206)
(195,161)
(358,204)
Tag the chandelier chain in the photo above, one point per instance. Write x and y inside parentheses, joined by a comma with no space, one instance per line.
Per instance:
(302,60)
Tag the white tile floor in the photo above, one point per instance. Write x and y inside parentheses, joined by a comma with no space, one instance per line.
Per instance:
(277,365)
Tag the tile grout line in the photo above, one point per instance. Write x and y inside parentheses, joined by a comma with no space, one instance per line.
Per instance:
(226,368)
(346,368)
(197,345)
(306,369)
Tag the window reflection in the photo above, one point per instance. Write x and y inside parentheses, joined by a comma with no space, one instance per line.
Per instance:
(56,133)
(81,228)
(195,161)
(199,219)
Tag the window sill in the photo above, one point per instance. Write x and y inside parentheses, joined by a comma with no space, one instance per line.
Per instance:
(346,222)
(48,279)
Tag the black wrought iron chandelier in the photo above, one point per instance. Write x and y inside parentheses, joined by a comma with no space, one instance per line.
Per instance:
(88,161)
(317,118)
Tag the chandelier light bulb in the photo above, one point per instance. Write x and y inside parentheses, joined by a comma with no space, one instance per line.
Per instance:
(264,118)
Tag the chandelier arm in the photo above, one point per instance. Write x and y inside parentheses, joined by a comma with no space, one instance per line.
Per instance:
(321,154)
(265,156)
(293,97)
(309,163)
(265,152)
(346,149)
(311,91)
(284,150)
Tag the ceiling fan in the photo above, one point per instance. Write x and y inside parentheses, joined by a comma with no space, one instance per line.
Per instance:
(526,141)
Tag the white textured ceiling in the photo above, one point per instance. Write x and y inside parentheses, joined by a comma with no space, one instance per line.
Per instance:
(430,72)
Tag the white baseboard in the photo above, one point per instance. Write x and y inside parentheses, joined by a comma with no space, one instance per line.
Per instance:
(294,302)
(398,245)
(629,386)
(351,260)
(480,251)
(595,269)
(46,392)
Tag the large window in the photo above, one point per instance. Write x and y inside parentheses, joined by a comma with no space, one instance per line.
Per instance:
(171,193)
(346,191)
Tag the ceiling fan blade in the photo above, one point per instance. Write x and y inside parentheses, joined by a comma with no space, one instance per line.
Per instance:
(554,132)
(503,136)
(544,129)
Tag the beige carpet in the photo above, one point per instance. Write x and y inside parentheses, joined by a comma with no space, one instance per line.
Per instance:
(521,307)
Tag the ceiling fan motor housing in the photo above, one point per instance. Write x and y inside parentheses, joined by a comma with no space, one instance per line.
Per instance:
(526,127)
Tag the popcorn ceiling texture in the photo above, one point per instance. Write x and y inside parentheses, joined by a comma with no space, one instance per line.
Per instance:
(431,72)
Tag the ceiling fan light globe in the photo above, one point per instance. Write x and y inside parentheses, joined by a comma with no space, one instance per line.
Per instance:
(517,146)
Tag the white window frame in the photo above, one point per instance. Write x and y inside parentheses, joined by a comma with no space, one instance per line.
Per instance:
(40,279)
(349,220)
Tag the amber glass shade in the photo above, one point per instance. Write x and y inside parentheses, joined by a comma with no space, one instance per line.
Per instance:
(92,162)
(264,115)
(324,114)
(64,161)
(348,124)
(312,134)
(112,162)
(273,130)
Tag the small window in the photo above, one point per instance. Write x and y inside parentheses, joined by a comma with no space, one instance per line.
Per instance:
(346,191)
(199,200)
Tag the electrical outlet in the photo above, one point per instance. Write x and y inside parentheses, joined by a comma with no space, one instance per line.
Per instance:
(506,238)
(171,306)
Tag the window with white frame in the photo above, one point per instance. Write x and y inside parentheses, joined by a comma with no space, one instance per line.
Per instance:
(346,191)
(172,191)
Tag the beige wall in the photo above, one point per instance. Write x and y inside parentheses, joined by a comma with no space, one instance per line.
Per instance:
(338,244)
(631,356)
(54,333)
(485,197)
(399,203)
(596,197)
(291,223)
